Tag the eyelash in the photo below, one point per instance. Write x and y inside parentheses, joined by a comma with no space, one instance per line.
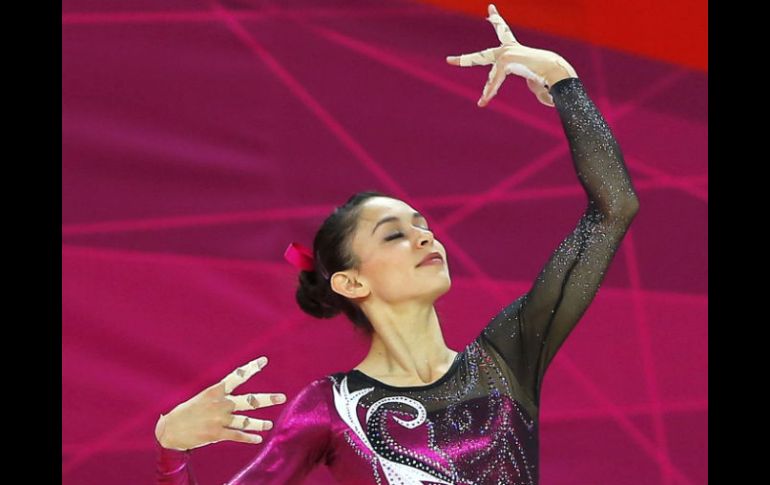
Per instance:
(400,234)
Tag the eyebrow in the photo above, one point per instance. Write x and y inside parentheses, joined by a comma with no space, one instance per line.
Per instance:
(415,215)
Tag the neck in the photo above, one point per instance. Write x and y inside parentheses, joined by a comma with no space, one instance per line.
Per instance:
(407,344)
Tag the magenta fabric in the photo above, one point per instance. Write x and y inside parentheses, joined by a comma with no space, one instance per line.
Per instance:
(299,256)
(200,138)
(311,433)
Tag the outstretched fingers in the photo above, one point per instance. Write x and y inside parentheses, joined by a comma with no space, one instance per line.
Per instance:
(480,58)
(243,374)
(248,402)
(509,57)
(503,31)
(495,80)
(242,422)
(240,436)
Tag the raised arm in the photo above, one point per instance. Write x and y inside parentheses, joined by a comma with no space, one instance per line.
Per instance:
(529,331)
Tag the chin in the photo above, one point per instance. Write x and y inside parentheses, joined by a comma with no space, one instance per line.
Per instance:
(446,284)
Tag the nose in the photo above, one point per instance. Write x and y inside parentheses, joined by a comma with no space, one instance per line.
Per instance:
(424,236)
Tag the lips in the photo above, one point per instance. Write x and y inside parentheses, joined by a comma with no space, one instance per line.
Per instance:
(434,254)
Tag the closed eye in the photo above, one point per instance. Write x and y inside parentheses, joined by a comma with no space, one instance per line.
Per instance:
(400,234)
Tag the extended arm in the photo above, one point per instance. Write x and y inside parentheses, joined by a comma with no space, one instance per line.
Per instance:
(299,441)
(529,331)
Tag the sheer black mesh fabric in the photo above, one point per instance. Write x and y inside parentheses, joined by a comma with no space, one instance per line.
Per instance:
(476,370)
(530,330)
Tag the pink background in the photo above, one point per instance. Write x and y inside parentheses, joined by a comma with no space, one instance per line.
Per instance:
(199,139)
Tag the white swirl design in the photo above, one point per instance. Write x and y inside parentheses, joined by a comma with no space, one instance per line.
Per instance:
(397,473)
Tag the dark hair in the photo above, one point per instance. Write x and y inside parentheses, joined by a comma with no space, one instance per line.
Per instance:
(332,252)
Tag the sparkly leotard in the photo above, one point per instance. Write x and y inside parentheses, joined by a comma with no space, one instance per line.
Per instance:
(478,423)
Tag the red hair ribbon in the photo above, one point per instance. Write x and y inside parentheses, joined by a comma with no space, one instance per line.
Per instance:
(300,256)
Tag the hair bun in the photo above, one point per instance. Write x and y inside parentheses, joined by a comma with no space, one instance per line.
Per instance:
(313,295)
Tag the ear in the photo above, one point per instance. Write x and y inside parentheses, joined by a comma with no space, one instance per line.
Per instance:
(347,284)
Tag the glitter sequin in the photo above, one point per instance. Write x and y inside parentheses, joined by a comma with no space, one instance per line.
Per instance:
(470,429)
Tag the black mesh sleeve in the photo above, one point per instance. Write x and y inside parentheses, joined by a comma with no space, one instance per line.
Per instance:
(529,331)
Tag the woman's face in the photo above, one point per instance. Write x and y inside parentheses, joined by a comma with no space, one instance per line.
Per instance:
(390,241)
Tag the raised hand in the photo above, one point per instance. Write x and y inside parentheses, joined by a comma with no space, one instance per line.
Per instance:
(541,68)
(207,417)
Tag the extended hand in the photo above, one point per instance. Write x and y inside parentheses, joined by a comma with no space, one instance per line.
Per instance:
(207,417)
(541,68)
